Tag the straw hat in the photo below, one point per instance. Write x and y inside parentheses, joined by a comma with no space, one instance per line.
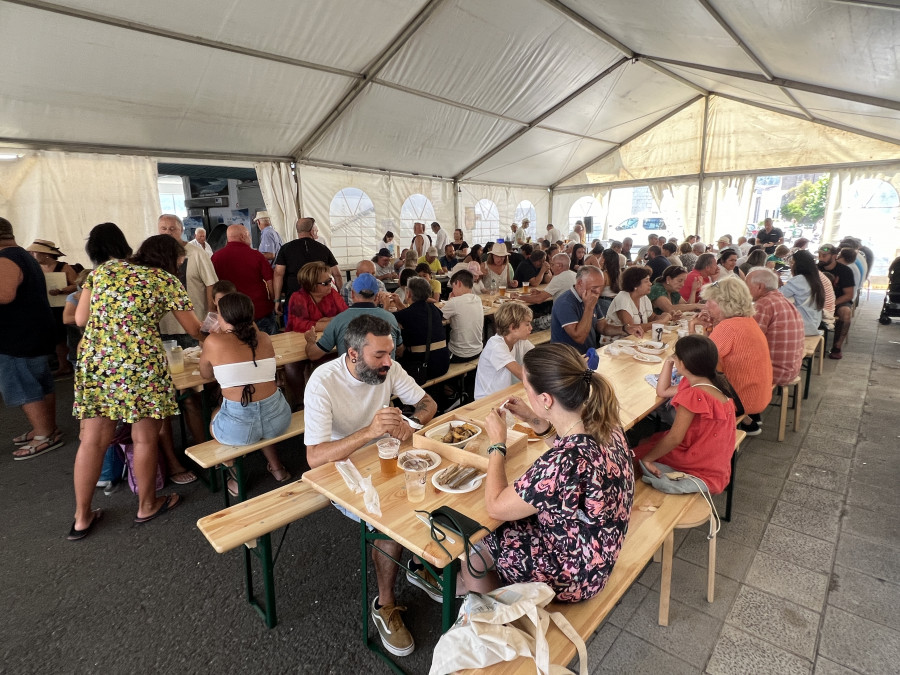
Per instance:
(499,250)
(260,215)
(46,246)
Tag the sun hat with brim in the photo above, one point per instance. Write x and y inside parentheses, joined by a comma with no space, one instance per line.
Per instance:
(260,215)
(827,248)
(499,250)
(46,246)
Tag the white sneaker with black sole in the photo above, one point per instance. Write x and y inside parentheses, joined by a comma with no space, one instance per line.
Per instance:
(425,580)
(394,635)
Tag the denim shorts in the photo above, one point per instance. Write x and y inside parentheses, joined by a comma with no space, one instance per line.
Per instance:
(235,424)
(24,379)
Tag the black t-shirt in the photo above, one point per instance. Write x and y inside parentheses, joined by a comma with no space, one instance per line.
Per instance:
(843,278)
(657,266)
(27,327)
(526,271)
(414,322)
(769,240)
(295,254)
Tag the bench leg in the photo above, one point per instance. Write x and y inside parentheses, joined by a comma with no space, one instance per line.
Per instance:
(665,582)
(263,551)
(711,567)
(782,418)
(798,398)
(809,369)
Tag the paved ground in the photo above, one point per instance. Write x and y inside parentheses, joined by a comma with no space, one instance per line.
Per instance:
(808,569)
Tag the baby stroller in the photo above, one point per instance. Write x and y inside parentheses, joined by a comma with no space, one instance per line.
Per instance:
(891,305)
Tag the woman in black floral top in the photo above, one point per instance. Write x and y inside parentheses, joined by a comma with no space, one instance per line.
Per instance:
(567,515)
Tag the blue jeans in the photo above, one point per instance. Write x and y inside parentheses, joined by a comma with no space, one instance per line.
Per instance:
(24,379)
(268,324)
(235,424)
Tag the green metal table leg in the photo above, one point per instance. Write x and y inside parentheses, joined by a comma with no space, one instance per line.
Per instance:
(373,645)
(448,587)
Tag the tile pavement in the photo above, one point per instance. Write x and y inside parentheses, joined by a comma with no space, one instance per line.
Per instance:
(808,570)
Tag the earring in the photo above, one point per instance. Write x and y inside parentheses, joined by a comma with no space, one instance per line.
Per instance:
(546,407)
(352,360)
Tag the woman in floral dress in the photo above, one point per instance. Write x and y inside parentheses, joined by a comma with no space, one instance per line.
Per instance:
(567,515)
(122,372)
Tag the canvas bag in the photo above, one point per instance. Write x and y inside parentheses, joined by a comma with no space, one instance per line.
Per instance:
(502,625)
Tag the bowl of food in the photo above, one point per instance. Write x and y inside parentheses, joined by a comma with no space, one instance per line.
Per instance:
(456,433)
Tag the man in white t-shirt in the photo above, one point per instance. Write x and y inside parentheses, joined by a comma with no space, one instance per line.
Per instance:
(500,364)
(563,278)
(347,404)
(522,233)
(440,237)
(463,310)
(553,235)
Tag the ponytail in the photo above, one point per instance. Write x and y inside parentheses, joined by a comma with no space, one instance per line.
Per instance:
(600,414)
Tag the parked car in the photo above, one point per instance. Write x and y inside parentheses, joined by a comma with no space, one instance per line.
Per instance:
(648,223)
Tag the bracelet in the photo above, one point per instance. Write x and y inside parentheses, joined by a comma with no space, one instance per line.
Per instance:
(499,447)
(551,431)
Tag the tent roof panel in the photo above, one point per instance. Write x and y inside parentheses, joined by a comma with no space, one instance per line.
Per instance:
(74,85)
(275,26)
(617,107)
(394,130)
(849,113)
(510,57)
(538,158)
(756,92)
(676,29)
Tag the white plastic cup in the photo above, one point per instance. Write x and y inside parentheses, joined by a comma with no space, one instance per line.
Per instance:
(526,287)
(175,357)
(657,331)
(210,323)
(683,332)
(169,345)
(415,472)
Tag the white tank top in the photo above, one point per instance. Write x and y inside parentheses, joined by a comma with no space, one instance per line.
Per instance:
(245,372)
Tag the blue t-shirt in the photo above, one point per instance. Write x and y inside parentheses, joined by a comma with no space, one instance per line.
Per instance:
(567,309)
(334,332)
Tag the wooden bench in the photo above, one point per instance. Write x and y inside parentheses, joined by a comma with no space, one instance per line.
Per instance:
(540,337)
(212,454)
(647,531)
(251,524)
(456,371)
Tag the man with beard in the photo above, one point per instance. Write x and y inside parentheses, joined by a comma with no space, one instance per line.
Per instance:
(348,405)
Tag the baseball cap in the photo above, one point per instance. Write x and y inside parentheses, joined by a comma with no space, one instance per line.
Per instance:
(828,248)
(365,283)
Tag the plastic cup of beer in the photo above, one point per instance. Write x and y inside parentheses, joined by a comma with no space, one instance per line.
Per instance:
(387,454)
(502,289)
(526,287)
(415,471)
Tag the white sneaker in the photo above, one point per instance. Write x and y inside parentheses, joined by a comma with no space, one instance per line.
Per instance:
(394,635)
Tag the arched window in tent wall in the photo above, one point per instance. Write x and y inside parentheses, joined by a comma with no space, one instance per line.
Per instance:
(416,209)
(487,222)
(526,209)
(352,216)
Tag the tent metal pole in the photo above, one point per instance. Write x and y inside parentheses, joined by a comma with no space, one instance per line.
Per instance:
(783,82)
(298,198)
(456,192)
(702,166)
(590,26)
(371,71)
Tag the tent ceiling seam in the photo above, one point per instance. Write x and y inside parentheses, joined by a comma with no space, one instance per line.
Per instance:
(784,82)
(103,149)
(590,27)
(179,37)
(744,47)
(370,72)
(675,76)
(650,126)
(540,118)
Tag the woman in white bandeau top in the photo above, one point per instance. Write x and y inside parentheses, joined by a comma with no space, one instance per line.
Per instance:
(242,359)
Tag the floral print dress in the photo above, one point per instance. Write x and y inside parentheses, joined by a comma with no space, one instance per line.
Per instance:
(583,493)
(122,372)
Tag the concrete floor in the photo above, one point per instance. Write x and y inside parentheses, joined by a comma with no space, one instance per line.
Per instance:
(808,569)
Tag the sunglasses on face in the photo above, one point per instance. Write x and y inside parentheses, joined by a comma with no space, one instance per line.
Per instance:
(323,283)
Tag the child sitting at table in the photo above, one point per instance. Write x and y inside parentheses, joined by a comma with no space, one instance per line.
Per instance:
(500,363)
(701,440)
(220,288)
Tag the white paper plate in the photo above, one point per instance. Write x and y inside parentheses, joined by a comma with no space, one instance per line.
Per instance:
(438,432)
(647,358)
(434,459)
(650,344)
(649,350)
(444,488)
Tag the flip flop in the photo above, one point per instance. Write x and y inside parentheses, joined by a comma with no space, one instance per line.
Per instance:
(167,506)
(183,477)
(75,535)
(38,446)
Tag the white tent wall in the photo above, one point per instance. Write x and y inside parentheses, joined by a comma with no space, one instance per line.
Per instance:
(507,200)
(61,196)
(357,234)
(726,207)
(281,194)
(564,201)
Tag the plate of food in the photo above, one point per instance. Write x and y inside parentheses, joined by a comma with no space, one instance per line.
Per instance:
(649,347)
(456,433)
(433,459)
(646,358)
(457,479)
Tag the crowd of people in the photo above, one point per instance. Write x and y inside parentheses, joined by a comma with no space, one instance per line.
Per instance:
(383,335)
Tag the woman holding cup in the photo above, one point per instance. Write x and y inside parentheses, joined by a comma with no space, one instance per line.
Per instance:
(567,515)
(631,306)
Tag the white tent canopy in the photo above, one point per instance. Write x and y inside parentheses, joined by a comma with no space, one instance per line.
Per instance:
(573,95)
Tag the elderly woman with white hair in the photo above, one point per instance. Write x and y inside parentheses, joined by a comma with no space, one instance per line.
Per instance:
(743,349)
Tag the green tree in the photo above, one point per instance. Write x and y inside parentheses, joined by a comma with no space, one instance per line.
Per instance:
(806,202)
